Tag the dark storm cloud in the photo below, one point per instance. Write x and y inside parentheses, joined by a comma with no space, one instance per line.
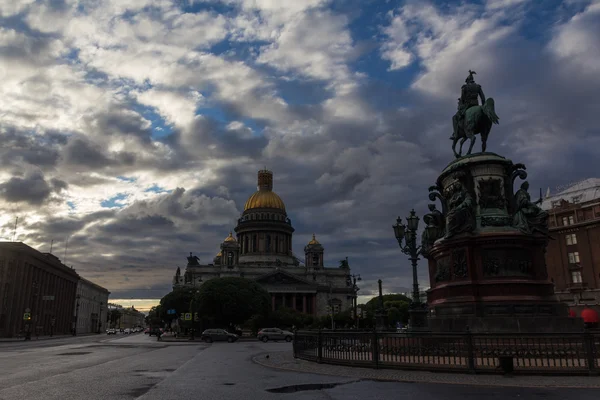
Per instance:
(80,152)
(32,189)
(121,122)
(19,147)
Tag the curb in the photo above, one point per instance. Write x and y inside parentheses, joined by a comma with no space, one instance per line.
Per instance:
(433,380)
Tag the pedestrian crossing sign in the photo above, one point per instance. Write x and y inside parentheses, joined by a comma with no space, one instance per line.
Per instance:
(188,316)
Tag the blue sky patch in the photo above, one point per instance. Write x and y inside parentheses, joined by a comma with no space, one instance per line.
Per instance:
(157,189)
(114,201)
(126,179)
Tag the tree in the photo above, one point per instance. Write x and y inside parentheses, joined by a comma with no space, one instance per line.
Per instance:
(396,306)
(179,300)
(232,301)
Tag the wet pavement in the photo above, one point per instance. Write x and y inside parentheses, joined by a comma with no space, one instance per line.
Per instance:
(139,367)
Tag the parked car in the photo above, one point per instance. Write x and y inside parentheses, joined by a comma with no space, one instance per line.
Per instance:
(267,334)
(155,331)
(146,331)
(218,335)
(111,331)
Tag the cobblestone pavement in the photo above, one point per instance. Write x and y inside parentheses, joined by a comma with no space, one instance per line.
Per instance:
(286,361)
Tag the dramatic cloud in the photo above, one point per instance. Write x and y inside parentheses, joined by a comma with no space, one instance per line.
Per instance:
(131,130)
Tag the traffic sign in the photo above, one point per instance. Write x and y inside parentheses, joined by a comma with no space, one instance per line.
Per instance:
(188,316)
(27,316)
(196,317)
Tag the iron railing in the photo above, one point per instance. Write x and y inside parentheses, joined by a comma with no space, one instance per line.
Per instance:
(551,353)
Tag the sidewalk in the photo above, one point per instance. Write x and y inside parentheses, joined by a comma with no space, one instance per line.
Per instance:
(284,360)
(197,339)
(44,337)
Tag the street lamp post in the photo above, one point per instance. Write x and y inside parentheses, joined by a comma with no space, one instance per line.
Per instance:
(100,318)
(355,289)
(408,234)
(76,315)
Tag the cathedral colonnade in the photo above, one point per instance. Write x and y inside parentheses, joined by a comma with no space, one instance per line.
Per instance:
(302,302)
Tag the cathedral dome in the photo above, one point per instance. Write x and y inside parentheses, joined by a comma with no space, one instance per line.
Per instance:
(264,197)
(229,238)
(314,240)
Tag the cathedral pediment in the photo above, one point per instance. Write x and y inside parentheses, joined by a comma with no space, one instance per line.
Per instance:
(282,278)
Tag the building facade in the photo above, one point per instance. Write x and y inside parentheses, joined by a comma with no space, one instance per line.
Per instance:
(91,307)
(37,292)
(573,257)
(127,317)
(262,251)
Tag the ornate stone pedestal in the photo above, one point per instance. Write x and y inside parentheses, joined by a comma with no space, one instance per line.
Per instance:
(488,271)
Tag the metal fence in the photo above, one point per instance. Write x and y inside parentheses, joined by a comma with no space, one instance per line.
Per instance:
(560,353)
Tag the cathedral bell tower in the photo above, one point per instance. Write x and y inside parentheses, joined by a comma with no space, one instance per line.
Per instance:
(230,252)
(313,252)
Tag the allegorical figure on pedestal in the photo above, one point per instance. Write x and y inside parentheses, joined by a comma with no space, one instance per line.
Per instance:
(461,212)
(434,219)
(472,118)
(529,217)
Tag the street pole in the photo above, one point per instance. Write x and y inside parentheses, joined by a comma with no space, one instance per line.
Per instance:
(76,315)
(408,234)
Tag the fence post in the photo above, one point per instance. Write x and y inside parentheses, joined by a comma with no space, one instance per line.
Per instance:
(319,347)
(375,348)
(470,351)
(590,350)
(295,344)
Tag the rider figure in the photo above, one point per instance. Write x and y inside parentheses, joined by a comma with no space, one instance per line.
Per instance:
(470,92)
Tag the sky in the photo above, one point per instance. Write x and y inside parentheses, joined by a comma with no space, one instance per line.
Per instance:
(131,131)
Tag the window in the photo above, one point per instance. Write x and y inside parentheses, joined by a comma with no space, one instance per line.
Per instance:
(576,276)
(268,244)
(254,243)
(230,258)
(315,259)
(571,220)
(246,244)
(565,221)
(574,257)
(571,239)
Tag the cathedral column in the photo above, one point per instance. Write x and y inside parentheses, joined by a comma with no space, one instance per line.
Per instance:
(272,302)
(294,302)
(304,303)
(283,298)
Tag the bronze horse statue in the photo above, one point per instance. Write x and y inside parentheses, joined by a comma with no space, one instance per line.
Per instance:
(478,119)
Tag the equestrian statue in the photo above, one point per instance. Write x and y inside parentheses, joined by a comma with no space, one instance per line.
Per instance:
(472,118)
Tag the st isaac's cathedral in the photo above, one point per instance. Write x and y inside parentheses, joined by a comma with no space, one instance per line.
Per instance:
(262,250)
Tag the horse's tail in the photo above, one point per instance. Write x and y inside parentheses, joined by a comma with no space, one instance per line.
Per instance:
(488,110)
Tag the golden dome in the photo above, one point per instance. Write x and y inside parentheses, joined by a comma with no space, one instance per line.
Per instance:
(314,240)
(264,199)
(230,238)
(219,255)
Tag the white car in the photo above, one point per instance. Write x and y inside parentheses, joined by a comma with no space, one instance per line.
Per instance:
(111,331)
(127,331)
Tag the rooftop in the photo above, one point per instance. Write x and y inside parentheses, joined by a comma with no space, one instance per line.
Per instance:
(580,192)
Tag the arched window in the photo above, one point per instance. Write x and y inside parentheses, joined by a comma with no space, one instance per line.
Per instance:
(315,259)
(254,243)
(268,249)
(245,243)
(230,258)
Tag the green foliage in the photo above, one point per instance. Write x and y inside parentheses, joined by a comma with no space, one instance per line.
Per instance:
(396,306)
(114,316)
(231,300)
(154,316)
(178,300)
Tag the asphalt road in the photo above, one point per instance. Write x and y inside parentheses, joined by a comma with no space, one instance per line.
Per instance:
(139,367)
